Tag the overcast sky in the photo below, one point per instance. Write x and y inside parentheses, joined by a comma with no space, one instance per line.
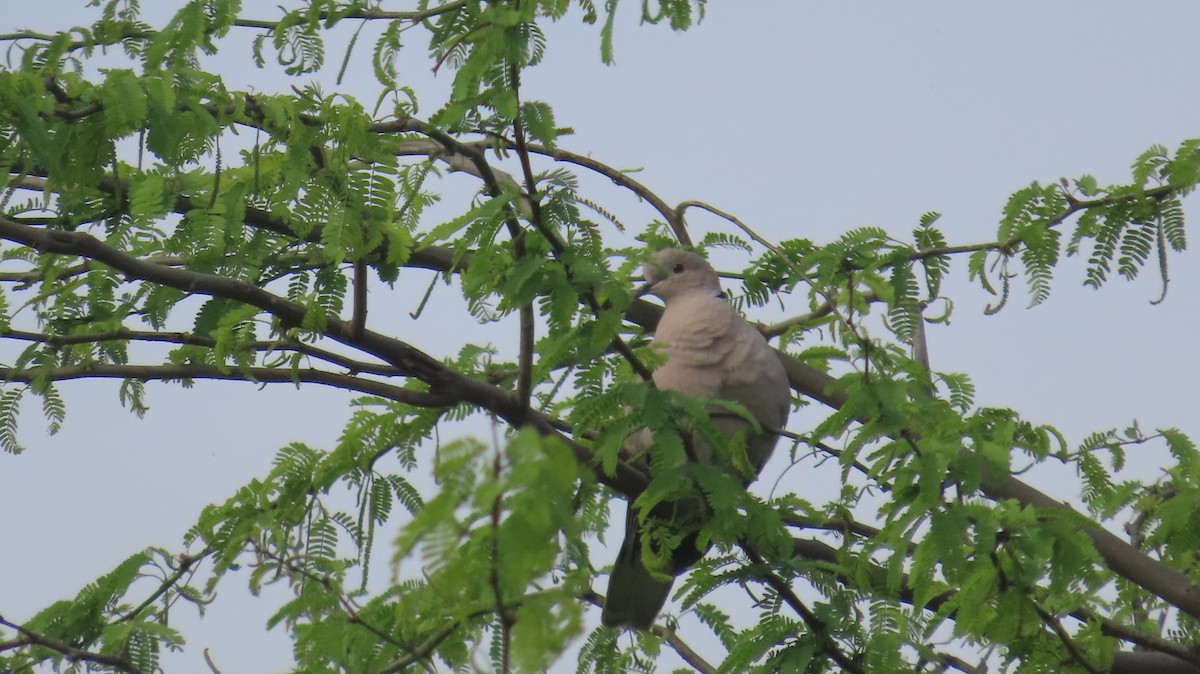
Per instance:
(805,119)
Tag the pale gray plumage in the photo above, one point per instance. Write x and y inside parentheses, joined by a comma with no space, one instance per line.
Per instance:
(710,351)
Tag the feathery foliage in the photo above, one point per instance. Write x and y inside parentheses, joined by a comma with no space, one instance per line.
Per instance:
(162,222)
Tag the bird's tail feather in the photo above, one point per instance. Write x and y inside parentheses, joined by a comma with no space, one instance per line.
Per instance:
(635,596)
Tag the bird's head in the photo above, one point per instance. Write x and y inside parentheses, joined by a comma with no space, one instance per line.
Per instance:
(673,271)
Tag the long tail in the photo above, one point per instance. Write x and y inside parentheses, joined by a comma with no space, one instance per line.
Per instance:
(634,596)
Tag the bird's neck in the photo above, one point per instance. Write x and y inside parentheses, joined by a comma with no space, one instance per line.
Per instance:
(693,293)
(690,300)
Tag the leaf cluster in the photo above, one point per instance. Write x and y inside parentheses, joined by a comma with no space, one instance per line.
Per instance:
(162,223)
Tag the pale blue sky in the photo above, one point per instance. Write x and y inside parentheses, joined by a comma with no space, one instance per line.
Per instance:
(804,119)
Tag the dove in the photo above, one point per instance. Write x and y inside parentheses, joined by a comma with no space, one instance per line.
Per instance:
(711,351)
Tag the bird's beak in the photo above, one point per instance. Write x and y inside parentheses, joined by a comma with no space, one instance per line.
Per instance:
(643,290)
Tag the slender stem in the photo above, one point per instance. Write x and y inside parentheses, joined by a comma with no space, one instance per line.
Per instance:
(674,217)
(488,175)
(371,15)
(503,615)
(186,566)
(815,624)
(824,309)
(682,207)
(262,375)
(689,655)
(1067,643)
(525,364)
(187,338)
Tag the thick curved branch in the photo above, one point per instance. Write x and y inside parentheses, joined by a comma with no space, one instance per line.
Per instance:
(1142,662)
(1168,584)
(1122,558)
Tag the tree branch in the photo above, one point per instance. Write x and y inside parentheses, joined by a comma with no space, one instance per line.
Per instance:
(814,623)
(68,651)
(1073,206)
(370,15)
(525,363)
(264,375)
(673,217)
(1065,638)
(682,207)
(1124,560)
(1178,658)
(1160,579)
(187,565)
(685,651)
(130,32)
(190,339)
(444,381)
(488,175)
(824,309)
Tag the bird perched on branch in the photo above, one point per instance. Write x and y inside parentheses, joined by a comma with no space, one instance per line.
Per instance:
(711,352)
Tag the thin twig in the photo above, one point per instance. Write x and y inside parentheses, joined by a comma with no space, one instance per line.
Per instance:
(186,564)
(815,624)
(826,308)
(488,175)
(358,319)
(525,362)
(370,14)
(212,666)
(673,216)
(260,375)
(683,206)
(685,651)
(1067,643)
(503,615)
(352,610)
(191,339)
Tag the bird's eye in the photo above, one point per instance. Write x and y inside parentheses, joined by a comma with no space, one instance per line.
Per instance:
(678,269)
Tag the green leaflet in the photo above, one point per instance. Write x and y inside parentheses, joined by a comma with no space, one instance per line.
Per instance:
(124,100)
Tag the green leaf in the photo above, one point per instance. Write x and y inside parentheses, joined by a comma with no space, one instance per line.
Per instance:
(486,211)
(10,408)
(538,120)
(124,100)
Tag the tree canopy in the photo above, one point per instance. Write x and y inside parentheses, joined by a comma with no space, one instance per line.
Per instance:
(164,221)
